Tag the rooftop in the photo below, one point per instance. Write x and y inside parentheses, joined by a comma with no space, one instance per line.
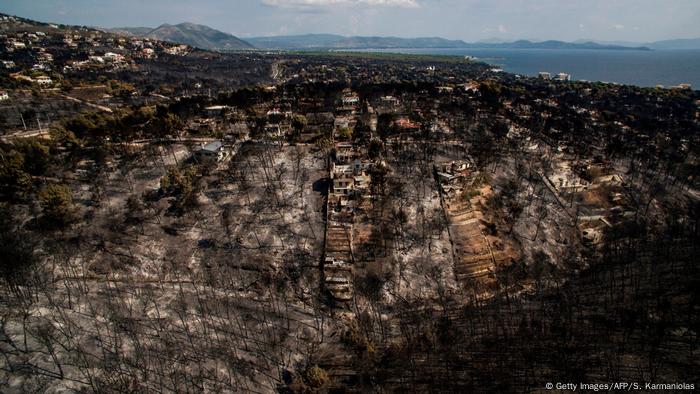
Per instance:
(216,108)
(213,146)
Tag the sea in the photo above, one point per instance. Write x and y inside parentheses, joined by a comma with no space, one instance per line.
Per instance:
(630,67)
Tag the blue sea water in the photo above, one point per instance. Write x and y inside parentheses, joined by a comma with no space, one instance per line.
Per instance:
(641,68)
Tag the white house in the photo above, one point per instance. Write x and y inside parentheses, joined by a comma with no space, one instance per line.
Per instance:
(43,80)
(113,57)
(215,110)
(350,100)
(96,59)
(212,152)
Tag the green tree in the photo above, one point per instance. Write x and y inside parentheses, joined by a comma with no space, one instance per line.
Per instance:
(316,377)
(181,184)
(63,137)
(81,126)
(13,177)
(299,123)
(57,204)
(325,145)
(167,125)
(355,338)
(36,155)
(120,89)
(177,182)
(491,92)
(344,134)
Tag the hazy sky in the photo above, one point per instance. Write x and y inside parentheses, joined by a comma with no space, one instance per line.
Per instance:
(470,20)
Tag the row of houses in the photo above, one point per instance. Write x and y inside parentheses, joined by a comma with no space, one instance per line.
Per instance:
(70,50)
(348,172)
(476,252)
(564,77)
(350,180)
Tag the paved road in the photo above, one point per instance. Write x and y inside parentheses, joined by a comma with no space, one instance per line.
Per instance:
(89,104)
(26,134)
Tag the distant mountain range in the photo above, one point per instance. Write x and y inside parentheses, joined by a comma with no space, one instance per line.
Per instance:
(554,44)
(199,36)
(682,43)
(207,38)
(329,41)
(304,41)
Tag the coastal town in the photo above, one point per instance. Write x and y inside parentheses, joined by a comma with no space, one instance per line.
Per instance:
(187,220)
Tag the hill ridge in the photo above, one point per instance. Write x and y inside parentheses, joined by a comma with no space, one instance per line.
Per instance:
(196,35)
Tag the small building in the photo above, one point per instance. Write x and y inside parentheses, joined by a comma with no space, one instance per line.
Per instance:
(274,129)
(202,126)
(471,87)
(452,171)
(4,96)
(545,75)
(45,57)
(215,110)
(360,166)
(212,152)
(445,177)
(43,80)
(609,180)
(406,124)
(564,77)
(350,100)
(389,101)
(340,170)
(682,86)
(344,152)
(96,59)
(343,185)
(112,57)
(277,114)
(362,181)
